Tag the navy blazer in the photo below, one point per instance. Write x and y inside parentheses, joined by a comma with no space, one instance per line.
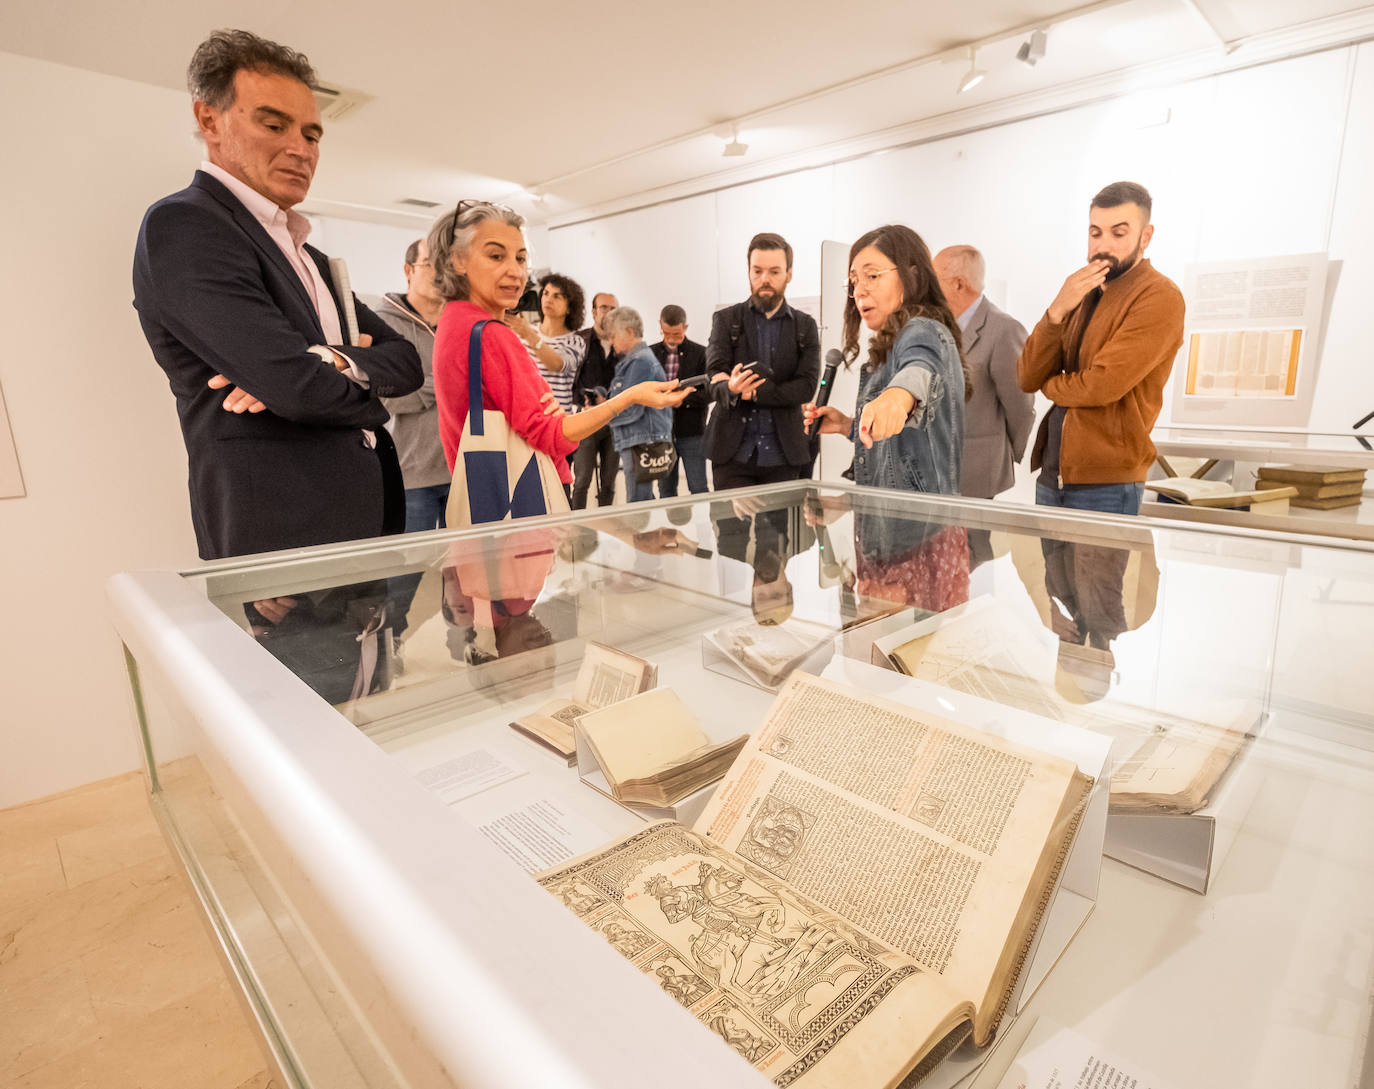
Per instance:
(689,418)
(216,295)
(796,370)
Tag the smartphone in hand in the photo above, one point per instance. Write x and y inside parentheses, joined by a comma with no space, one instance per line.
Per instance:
(695,382)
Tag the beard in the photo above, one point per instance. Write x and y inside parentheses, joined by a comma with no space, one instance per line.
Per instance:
(1118,266)
(765,298)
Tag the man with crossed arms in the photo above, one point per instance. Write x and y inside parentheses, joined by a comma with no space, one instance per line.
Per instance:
(282,419)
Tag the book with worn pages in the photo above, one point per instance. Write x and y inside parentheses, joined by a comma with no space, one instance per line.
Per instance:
(651,749)
(1216,493)
(1330,491)
(1331,502)
(606,676)
(768,653)
(859,896)
(1163,762)
(1310,474)
(1319,487)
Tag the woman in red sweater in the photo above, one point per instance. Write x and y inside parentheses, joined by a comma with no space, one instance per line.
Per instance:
(481,266)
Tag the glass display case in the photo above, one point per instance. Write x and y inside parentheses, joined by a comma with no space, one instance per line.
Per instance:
(1237,456)
(1265,444)
(329,751)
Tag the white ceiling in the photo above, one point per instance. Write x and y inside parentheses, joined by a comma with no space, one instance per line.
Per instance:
(596,106)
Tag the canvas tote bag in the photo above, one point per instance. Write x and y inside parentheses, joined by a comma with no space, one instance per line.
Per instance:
(497,474)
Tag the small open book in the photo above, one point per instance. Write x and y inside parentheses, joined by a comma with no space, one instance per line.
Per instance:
(652,750)
(606,677)
(1217,493)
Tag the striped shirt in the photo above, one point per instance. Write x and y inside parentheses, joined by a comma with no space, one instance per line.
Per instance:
(571,348)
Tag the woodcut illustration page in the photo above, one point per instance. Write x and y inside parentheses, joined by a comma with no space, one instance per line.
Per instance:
(797,992)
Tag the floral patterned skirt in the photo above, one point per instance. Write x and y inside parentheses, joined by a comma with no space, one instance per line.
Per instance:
(932,576)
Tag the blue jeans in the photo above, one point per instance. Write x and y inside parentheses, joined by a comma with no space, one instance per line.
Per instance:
(691,455)
(1103,498)
(425,507)
(634,491)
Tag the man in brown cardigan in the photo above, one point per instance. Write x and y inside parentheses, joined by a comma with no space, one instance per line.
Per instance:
(1102,354)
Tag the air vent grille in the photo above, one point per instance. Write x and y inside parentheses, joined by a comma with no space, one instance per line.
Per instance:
(336,103)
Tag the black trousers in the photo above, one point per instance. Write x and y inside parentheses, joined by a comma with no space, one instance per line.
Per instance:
(736,474)
(393,484)
(598,447)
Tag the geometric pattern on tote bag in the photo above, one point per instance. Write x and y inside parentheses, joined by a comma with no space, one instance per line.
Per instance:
(490,495)
(491,452)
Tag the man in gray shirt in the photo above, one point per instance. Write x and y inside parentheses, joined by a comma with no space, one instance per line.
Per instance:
(415,315)
(998,417)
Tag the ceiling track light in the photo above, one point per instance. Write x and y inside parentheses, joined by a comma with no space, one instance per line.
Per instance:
(733,148)
(974,75)
(1033,48)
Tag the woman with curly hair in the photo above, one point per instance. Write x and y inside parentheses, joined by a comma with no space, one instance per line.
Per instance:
(908,427)
(554,343)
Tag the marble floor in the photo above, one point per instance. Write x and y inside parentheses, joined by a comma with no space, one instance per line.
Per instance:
(107,975)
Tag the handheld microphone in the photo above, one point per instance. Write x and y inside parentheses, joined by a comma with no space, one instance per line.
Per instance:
(833,359)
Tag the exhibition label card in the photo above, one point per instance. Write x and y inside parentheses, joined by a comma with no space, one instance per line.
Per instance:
(1054,1057)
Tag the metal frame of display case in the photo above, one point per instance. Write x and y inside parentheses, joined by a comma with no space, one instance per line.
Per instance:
(439,963)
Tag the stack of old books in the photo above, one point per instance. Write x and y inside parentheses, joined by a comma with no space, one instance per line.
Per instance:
(1320,487)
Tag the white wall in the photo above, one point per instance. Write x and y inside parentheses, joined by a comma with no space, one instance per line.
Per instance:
(648,259)
(93,419)
(1345,385)
(375,253)
(1249,163)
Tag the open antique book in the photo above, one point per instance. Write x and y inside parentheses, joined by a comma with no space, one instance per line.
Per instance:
(606,676)
(768,653)
(652,750)
(859,895)
(1164,763)
(1271,498)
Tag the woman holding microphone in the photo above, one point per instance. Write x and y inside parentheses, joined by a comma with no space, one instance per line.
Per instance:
(908,427)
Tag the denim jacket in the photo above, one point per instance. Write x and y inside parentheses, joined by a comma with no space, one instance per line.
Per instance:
(924,456)
(639,423)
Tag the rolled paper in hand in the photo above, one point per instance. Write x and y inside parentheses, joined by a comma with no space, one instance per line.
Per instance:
(338,270)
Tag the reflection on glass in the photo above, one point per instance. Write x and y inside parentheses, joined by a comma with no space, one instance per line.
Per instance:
(1088,605)
(338,640)
(489,596)
(750,532)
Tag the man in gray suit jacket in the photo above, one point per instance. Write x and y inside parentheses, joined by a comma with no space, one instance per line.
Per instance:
(998,417)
